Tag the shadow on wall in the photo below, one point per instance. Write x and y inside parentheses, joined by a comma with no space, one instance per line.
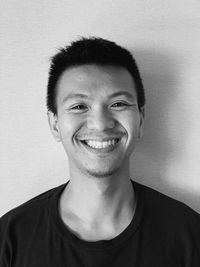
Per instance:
(160,74)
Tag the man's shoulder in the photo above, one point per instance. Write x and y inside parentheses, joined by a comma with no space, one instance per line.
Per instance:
(166,209)
(31,208)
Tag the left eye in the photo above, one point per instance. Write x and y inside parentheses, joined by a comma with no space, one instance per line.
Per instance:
(119,104)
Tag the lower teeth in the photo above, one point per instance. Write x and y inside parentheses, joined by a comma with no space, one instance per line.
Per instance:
(98,147)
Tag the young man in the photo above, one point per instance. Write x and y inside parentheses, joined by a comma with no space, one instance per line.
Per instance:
(100,217)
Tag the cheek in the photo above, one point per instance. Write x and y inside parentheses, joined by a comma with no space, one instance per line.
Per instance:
(68,126)
(131,123)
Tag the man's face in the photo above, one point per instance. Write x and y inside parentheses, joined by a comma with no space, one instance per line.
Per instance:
(98,120)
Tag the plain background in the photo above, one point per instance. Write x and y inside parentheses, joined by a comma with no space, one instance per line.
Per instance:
(164,37)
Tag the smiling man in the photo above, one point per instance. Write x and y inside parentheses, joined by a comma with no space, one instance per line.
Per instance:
(100,217)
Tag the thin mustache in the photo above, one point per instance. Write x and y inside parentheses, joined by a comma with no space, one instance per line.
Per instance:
(100,137)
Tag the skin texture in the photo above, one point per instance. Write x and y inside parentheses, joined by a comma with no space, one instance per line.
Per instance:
(99,180)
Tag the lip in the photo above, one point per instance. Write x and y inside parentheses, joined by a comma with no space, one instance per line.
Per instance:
(100,138)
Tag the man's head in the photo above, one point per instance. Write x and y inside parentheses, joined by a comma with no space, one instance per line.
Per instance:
(95,102)
(96,51)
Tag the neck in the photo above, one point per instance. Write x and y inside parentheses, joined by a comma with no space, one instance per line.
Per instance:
(112,197)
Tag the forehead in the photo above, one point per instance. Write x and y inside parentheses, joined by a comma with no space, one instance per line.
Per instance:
(93,79)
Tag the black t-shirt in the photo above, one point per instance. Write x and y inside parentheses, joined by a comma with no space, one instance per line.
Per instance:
(163,233)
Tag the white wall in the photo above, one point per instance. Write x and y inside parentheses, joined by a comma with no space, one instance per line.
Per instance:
(165,39)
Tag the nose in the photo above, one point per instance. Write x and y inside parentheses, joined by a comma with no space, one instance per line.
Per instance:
(100,120)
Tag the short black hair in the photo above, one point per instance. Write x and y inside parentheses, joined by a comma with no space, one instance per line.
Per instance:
(92,50)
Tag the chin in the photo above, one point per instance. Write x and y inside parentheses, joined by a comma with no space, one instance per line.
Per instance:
(102,174)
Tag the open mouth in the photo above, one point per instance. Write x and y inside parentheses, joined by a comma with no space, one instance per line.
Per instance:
(101,145)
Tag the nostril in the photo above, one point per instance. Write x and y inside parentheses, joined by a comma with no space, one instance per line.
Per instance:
(101,123)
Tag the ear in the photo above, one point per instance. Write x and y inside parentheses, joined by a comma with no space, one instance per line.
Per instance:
(53,123)
(141,130)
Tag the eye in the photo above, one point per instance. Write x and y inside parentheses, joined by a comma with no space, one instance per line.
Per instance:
(79,107)
(120,104)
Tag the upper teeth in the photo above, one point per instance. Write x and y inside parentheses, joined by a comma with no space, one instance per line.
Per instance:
(99,144)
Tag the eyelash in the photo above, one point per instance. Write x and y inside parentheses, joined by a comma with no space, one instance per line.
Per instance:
(121,103)
(83,105)
(75,107)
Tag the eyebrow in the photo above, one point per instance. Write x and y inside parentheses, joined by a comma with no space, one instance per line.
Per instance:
(122,93)
(79,95)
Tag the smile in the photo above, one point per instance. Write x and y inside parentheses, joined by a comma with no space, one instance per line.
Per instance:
(101,146)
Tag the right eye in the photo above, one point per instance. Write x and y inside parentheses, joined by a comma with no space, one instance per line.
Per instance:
(79,107)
